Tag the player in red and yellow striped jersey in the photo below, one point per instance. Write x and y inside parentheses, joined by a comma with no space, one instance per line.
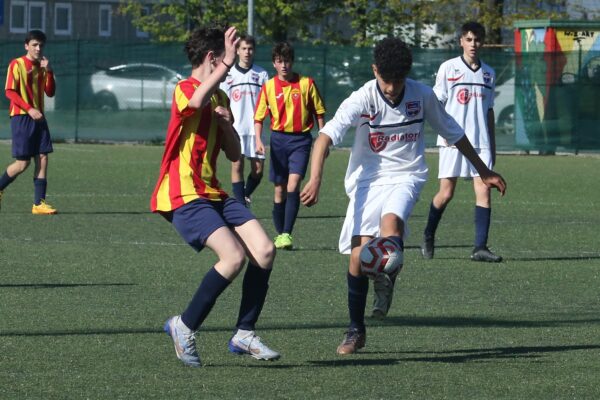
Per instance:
(29,78)
(189,195)
(292,101)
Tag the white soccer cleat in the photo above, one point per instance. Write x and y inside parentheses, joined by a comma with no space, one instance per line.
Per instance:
(249,343)
(184,340)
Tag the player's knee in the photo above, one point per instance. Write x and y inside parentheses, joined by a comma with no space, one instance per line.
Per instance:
(235,259)
(21,165)
(445,196)
(265,254)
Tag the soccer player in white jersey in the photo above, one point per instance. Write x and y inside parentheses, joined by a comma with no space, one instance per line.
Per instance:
(466,85)
(386,170)
(242,85)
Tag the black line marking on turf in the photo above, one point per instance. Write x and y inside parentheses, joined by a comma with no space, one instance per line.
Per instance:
(60,285)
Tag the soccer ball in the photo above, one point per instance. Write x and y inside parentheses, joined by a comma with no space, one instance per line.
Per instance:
(380,255)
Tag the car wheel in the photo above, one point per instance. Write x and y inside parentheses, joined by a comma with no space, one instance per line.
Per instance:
(106,101)
(506,121)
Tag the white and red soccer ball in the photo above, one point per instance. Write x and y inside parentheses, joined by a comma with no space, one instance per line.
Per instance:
(380,255)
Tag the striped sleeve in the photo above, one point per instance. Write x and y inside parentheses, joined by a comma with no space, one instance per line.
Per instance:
(262,104)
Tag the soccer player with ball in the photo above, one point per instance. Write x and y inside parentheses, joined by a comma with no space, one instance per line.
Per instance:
(386,171)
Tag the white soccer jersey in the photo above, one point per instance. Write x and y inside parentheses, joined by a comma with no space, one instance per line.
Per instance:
(468,94)
(389,145)
(242,86)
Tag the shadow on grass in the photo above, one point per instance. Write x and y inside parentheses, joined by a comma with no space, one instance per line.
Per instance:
(441,322)
(563,258)
(456,356)
(60,285)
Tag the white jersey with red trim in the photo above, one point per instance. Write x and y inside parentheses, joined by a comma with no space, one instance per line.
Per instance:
(243,86)
(467,94)
(389,144)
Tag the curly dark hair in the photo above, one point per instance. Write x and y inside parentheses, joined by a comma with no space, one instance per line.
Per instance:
(475,27)
(283,51)
(393,59)
(203,40)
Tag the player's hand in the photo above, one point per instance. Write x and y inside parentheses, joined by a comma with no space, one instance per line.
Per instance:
(45,63)
(310,194)
(35,114)
(231,41)
(260,148)
(223,115)
(495,180)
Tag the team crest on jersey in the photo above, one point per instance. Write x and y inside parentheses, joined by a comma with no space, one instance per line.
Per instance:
(463,96)
(487,77)
(413,108)
(295,94)
(377,141)
(254,77)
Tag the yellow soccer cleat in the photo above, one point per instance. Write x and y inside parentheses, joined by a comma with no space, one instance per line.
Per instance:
(284,242)
(43,209)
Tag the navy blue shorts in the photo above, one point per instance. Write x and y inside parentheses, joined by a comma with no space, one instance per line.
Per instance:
(197,220)
(290,154)
(29,137)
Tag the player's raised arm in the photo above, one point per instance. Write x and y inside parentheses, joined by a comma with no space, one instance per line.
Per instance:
(310,194)
(206,90)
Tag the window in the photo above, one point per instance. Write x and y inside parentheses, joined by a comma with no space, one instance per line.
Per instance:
(142,34)
(18,17)
(62,18)
(26,15)
(37,15)
(105,20)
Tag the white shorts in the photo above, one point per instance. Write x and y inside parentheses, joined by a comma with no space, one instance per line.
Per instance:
(248,145)
(369,204)
(454,165)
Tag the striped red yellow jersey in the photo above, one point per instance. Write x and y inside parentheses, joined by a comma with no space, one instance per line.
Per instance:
(30,82)
(189,164)
(291,105)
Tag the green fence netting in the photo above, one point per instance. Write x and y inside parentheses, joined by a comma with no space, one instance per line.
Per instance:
(96,103)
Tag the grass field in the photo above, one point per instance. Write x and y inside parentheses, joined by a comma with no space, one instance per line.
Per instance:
(84,294)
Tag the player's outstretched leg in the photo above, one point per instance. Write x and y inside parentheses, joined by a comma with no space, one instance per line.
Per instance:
(184,340)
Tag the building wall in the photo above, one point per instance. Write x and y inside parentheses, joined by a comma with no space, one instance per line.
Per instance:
(80,18)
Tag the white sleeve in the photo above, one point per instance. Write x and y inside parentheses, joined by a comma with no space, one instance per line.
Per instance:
(440,120)
(440,88)
(346,115)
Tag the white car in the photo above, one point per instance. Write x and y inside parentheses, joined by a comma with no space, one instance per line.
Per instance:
(136,86)
(504,107)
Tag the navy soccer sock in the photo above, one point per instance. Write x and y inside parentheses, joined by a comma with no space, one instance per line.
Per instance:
(39,190)
(433,220)
(5,180)
(238,191)
(398,240)
(278,216)
(204,299)
(254,293)
(358,288)
(251,184)
(482,226)
(292,205)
